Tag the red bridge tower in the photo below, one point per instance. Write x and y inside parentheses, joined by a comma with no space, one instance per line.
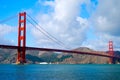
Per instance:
(21,39)
(111,52)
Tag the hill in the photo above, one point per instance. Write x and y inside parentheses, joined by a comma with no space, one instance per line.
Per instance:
(35,57)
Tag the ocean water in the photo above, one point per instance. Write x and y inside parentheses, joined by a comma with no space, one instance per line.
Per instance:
(59,72)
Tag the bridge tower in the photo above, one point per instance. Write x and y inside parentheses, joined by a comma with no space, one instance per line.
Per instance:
(111,52)
(21,39)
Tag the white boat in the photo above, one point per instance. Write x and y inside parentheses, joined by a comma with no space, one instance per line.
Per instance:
(43,63)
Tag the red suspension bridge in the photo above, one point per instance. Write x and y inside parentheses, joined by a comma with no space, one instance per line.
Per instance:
(21,48)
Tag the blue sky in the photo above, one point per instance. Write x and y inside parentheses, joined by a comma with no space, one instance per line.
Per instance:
(10,7)
(75,23)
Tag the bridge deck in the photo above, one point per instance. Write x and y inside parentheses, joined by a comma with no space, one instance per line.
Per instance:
(60,50)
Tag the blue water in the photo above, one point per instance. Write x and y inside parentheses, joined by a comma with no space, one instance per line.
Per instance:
(59,72)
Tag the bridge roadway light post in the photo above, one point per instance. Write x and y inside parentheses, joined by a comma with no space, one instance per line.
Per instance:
(21,59)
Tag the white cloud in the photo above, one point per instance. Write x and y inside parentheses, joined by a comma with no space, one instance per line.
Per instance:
(5,30)
(64,23)
(106,18)
(105,21)
(102,42)
(49,3)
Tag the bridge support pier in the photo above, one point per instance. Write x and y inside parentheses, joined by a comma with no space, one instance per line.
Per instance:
(21,39)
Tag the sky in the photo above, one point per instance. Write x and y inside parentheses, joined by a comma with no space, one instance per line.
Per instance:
(76,23)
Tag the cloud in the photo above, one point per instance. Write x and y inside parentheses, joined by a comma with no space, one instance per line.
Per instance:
(5,30)
(64,23)
(106,18)
(105,22)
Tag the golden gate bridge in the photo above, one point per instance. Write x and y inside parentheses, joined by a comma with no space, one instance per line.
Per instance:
(21,47)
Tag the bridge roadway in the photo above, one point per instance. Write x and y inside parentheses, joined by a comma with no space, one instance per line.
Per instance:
(60,50)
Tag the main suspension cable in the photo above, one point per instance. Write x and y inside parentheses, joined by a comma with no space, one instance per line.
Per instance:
(8,19)
(44,33)
(48,34)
